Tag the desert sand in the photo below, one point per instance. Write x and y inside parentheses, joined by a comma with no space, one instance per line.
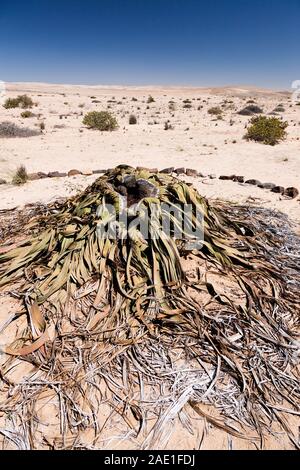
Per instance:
(198,141)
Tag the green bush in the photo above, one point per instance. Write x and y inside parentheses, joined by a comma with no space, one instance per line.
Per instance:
(132,119)
(250,110)
(27,114)
(270,131)
(20,176)
(216,111)
(22,101)
(101,120)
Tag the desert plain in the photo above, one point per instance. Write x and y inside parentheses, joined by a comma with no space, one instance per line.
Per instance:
(196,140)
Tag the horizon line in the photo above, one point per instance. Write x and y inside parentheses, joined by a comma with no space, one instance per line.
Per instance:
(84,85)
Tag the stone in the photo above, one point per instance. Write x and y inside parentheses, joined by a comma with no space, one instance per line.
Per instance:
(267,185)
(253,182)
(191,172)
(278,190)
(239,179)
(2,181)
(74,172)
(291,192)
(227,178)
(56,174)
(42,175)
(33,177)
(212,177)
(180,171)
(87,172)
(168,171)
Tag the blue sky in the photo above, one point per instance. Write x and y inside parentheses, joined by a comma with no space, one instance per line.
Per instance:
(141,42)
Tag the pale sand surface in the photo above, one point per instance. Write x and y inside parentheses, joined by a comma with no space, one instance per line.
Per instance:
(207,145)
(197,141)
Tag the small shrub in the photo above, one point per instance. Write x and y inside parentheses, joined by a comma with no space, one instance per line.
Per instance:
(9,129)
(27,114)
(279,109)
(11,103)
(81,105)
(42,126)
(133,99)
(269,131)
(150,99)
(168,126)
(132,119)
(20,176)
(250,110)
(215,111)
(187,106)
(101,120)
(22,101)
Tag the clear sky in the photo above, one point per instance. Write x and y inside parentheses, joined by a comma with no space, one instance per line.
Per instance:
(142,42)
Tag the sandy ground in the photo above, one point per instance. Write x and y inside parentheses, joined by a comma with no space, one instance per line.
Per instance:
(198,141)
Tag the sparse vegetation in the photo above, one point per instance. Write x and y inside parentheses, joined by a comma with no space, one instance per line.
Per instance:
(250,110)
(215,111)
(9,129)
(269,131)
(20,176)
(100,120)
(150,99)
(132,119)
(27,114)
(279,109)
(22,101)
(168,126)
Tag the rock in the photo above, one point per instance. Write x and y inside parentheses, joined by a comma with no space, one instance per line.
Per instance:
(180,171)
(253,182)
(42,175)
(74,172)
(168,171)
(239,179)
(278,190)
(146,189)
(227,178)
(267,185)
(87,172)
(2,181)
(56,174)
(151,170)
(33,177)
(212,177)
(291,192)
(200,175)
(98,172)
(191,172)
